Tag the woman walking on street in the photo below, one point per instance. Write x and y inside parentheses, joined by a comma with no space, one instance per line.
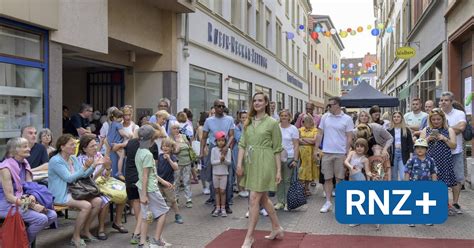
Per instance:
(261,145)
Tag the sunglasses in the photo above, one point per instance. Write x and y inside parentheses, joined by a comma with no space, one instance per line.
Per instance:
(219,106)
(243,111)
(436,110)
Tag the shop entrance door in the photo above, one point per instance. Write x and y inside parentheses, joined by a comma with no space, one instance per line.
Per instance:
(105,89)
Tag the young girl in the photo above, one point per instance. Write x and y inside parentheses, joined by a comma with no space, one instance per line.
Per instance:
(357,160)
(116,139)
(220,169)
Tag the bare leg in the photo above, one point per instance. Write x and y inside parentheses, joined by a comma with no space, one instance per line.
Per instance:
(254,208)
(160,224)
(328,186)
(143,230)
(267,204)
(102,215)
(85,209)
(95,203)
(118,214)
(136,209)
(456,192)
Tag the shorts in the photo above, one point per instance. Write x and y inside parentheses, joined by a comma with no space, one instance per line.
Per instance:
(132,192)
(332,165)
(169,194)
(156,205)
(219,181)
(359,176)
(458,160)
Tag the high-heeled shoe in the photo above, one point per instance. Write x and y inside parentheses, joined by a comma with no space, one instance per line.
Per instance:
(276,234)
(248,243)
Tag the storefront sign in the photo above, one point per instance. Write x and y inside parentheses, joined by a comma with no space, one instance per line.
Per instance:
(229,42)
(405,52)
(292,80)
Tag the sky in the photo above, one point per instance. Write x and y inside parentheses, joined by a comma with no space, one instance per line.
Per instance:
(350,14)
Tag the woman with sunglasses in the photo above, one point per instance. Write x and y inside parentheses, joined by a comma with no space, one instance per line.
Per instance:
(441,139)
(402,145)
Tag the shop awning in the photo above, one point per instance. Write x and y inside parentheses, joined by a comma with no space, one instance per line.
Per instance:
(424,68)
(404,93)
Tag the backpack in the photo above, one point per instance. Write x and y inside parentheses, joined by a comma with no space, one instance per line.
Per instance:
(467,133)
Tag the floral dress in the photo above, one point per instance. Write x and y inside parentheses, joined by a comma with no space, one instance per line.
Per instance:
(308,170)
(261,141)
(441,154)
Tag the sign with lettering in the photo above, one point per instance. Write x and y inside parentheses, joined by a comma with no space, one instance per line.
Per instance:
(391,202)
(405,52)
(229,42)
(292,80)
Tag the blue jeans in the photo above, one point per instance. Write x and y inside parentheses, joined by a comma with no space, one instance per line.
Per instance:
(398,168)
(359,176)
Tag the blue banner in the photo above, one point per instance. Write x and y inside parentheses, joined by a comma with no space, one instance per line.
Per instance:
(391,202)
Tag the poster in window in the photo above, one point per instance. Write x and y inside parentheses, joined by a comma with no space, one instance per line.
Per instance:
(468,95)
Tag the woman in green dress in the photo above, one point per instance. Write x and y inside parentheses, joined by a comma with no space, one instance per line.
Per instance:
(259,164)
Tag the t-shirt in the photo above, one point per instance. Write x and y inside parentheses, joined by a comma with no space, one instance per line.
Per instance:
(164,168)
(214,124)
(398,136)
(131,174)
(38,155)
(288,134)
(413,119)
(144,159)
(220,168)
(113,136)
(334,129)
(454,117)
(420,170)
(77,121)
(131,128)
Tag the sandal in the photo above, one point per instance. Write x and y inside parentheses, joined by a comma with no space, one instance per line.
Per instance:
(90,239)
(120,229)
(102,236)
(79,243)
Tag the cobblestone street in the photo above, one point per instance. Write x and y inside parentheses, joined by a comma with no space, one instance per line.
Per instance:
(200,228)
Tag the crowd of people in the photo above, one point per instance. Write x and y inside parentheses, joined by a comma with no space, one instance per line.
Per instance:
(254,155)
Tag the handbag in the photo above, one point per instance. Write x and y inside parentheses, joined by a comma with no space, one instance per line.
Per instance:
(283,156)
(113,188)
(296,197)
(13,231)
(83,189)
(467,133)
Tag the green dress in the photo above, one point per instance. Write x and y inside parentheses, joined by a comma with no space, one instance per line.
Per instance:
(261,142)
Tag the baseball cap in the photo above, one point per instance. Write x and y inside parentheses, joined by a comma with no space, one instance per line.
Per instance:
(421,142)
(219,135)
(145,136)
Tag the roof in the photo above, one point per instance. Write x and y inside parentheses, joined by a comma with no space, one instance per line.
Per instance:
(365,96)
(328,21)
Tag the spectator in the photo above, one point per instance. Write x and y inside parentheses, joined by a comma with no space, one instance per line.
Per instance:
(38,158)
(274,115)
(374,112)
(307,139)
(142,120)
(336,127)
(363,118)
(79,124)
(165,104)
(429,105)
(66,118)
(128,125)
(203,161)
(15,171)
(104,130)
(189,114)
(295,118)
(64,168)
(239,129)
(414,118)
(309,111)
(402,145)
(184,127)
(183,173)
(45,137)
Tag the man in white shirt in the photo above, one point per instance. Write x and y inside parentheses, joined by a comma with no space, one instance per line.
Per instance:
(272,111)
(457,121)
(336,127)
(413,119)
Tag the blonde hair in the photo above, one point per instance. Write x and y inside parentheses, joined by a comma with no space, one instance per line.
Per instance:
(162,113)
(363,131)
(358,117)
(168,143)
(402,125)
(308,118)
(182,117)
(437,111)
(362,142)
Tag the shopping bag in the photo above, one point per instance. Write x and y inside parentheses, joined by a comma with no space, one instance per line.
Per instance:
(112,188)
(13,231)
(296,197)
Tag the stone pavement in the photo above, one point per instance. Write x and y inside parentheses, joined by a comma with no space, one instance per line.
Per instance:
(200,227)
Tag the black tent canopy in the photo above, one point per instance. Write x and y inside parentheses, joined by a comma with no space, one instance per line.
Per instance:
(365,96)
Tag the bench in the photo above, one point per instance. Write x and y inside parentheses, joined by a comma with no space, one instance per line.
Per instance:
(66,209)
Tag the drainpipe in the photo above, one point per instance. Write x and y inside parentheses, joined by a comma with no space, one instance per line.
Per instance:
(186,36)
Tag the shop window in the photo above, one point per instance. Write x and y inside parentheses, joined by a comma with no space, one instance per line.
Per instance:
(265,90)
(205,87)
(290,101)
(280,101)
(23,79)
(239,95)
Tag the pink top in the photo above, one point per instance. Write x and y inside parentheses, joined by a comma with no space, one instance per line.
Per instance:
(15,169)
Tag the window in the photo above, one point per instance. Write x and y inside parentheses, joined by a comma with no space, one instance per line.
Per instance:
(280,101)
(322,65)
(305,23)
(311,84)
(236,10)
(218,6)
(298,21)
(268,34)
(248,15)
(239,95)
(287,58)
(297,105)
(23,79)
(320,88)
(206,86)
(398,34)
(258,33)
(287,8)
(205,3)
(290,101)
(315,56)
(298,60)
(278,38)
(418,7)
(293,55)
(305,66)
(265,90)
(293,15)
(301,106)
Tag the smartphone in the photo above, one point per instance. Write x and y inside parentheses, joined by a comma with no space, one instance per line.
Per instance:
(434,133)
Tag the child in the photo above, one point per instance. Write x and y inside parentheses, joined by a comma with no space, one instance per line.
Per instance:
(379,165)
(166,165)
(220,170)
(152,203)
(115,138)
(357,160)
(420,167)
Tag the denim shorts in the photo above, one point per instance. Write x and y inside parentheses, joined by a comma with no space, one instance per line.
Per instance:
(359,176)
(458,160)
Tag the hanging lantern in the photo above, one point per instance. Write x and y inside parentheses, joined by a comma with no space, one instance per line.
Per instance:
(337,79)
(318,29)
(353,32)
(389,29)
(359,64)
(380,26)
(314,35)
(360,29)
(330,78)
(375,32)
(301,27)
(327,34)
(333,31)
(351,65)
(368,64)
(349,30)
(290,35)
(369,27)
(343,65)
(334,66)
(343,34)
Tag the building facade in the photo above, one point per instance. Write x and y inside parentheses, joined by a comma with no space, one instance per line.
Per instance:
(233,49)
(108,53)
(324,53)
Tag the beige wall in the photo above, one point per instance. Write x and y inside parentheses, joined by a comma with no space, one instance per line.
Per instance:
(459,15)
(148,86)
(75,88)
(83,24)
(42,13)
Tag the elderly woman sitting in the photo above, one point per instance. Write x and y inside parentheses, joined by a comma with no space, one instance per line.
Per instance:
(15,171)
(64,169)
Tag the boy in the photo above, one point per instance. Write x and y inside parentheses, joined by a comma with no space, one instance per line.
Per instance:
(152,204)
(167,164)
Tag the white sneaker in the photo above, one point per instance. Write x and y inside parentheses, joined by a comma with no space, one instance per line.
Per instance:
(333,193)
(326,207)
(354,225)
(324,194)
(244,194)
(263,212)
(247,214)
(206,191)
